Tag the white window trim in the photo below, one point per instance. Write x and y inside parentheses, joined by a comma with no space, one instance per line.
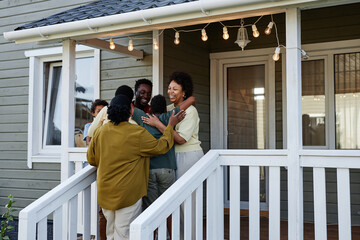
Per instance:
(219,62)
(37,58)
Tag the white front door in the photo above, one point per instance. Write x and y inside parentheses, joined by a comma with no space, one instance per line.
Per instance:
(245,112)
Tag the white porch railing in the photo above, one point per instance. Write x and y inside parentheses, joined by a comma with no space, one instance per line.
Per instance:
(210,169)
(62,203)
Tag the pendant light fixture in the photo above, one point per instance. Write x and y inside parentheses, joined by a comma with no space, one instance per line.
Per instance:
(242,36)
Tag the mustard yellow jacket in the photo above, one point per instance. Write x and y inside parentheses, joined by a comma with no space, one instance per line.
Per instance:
(121,154)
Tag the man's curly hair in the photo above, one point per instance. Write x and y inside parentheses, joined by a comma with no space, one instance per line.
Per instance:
(119,109)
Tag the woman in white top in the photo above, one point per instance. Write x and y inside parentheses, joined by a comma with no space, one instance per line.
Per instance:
(187,148)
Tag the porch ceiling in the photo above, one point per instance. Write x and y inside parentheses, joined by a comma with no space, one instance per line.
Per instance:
(127,16)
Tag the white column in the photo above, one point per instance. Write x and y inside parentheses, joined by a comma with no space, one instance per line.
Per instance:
(67,107)
(157,76)
(294,134)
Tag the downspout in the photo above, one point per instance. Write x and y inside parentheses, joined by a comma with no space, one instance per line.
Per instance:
(91,25)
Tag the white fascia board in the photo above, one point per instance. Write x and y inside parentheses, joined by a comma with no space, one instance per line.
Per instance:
(148,18)
(54,51)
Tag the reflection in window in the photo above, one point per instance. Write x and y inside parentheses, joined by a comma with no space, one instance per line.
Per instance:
(84,92)
(313,103)
(52,133)
(347,100)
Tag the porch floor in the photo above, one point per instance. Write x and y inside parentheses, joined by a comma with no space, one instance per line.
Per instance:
(332,229)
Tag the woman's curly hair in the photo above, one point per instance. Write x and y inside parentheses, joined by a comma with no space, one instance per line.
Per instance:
(184,80)
(119,109)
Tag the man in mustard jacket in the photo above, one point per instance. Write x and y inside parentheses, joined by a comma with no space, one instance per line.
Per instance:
(121,150)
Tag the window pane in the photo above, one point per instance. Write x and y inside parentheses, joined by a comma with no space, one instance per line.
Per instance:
(313,103)
(53,110)
(84,94)
(347,100)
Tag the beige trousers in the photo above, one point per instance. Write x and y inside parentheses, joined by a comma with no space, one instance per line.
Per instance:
(118,221)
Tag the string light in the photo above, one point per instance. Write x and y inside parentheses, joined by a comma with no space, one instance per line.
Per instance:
(155,44)
(269,27)
(242,37)
(276,55)
(177,36)
(204,37)
(255,31)
(225,33)
(131,46)
(112,44)
(304,54)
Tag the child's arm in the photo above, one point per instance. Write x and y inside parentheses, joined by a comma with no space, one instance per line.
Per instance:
(187,103)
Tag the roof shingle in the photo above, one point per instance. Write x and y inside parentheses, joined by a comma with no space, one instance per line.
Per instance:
(100,9)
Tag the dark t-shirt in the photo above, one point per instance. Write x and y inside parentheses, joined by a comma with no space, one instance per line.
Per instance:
(166,160)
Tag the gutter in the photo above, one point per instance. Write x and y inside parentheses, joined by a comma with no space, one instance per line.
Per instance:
(166,14)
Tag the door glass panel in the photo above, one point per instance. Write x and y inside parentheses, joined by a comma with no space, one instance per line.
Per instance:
(246,117)
(347,100)
(313,103)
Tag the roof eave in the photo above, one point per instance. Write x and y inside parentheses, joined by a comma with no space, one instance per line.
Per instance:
(145,19)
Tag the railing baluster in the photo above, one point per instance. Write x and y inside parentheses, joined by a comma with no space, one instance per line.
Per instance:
(343,196)
(57,224)
(219,197)
(274,203)
(234,202)
(254,203)
(187,218)
(42,229)
(87,212)
(162,233)
(210,206)
(199,212)
(320,203)
(175,224)
(73,217)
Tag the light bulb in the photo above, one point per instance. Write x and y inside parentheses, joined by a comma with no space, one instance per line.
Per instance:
(255,31)
(112,44)
(269,27)
(276,55)
(204,37)
(156,46)
(177,40)
(131,46)
(225,33)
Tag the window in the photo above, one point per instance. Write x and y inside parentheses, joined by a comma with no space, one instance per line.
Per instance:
(331,97)
(44,140)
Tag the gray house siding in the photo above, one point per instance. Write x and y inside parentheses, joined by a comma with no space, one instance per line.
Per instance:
(26,185)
